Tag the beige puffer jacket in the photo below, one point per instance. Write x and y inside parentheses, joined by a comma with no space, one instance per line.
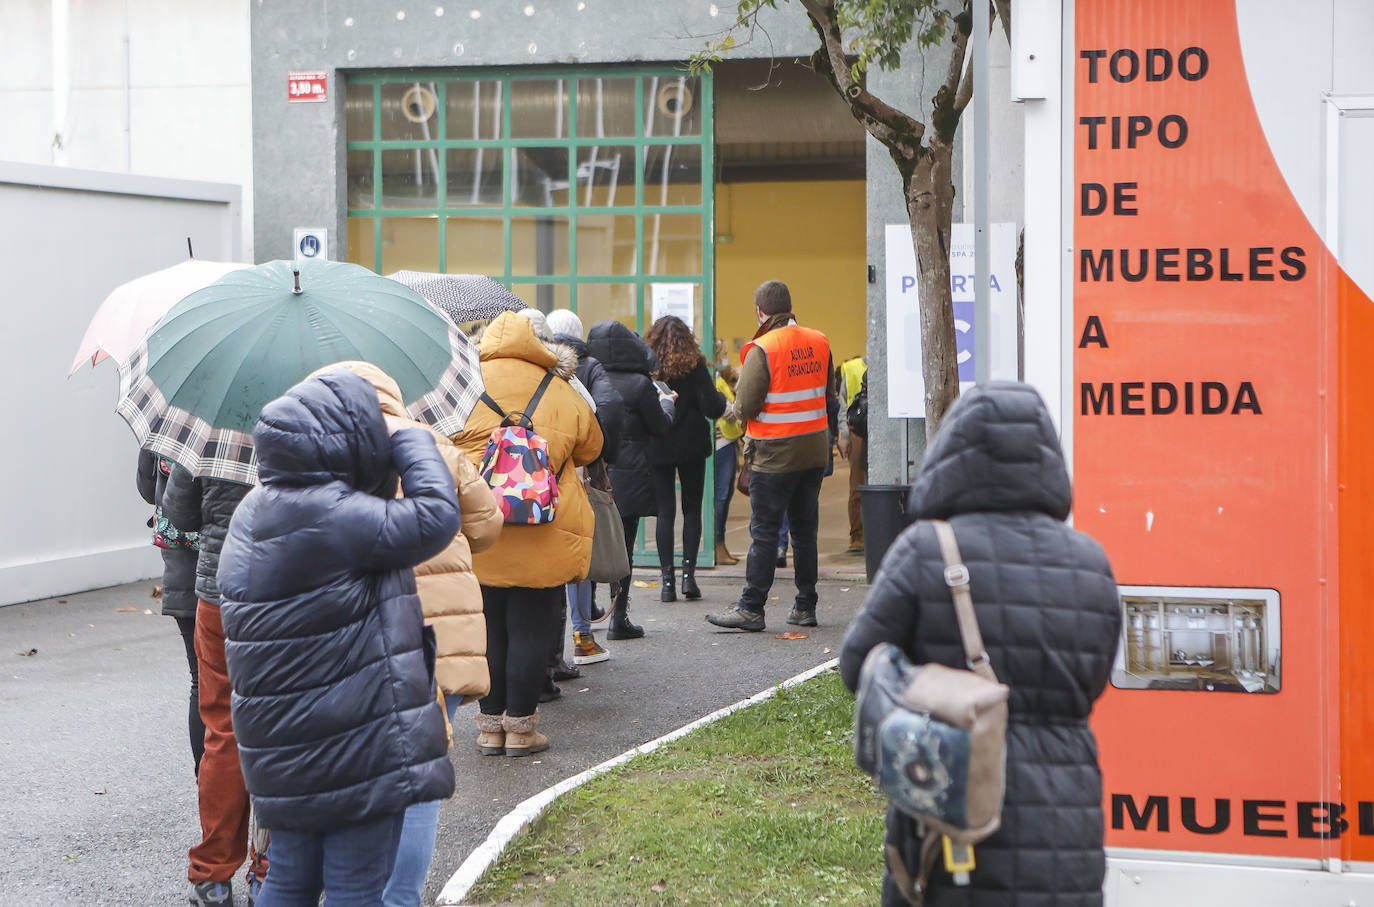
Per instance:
(514,362)
(449,593)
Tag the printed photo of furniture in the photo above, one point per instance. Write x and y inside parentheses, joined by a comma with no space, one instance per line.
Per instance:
(1211,640)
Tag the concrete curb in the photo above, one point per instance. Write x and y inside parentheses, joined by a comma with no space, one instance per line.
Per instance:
(486,854)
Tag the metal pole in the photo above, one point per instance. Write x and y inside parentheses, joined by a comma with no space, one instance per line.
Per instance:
(982,312)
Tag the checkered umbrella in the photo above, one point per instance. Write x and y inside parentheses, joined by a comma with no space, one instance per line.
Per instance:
(463,297)
(193,389)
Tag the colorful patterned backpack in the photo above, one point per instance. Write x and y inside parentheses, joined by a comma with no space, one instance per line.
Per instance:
(516,465)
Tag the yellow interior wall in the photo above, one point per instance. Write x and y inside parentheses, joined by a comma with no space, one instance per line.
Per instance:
(809,235)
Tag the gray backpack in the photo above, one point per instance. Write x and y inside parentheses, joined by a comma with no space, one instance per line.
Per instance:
(934,738)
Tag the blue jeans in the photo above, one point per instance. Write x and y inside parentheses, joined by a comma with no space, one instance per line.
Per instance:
(727,465)
(773,495)
(416,847)
(579,607)
(352,863)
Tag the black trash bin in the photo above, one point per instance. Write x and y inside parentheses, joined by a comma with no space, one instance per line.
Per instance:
(884,512)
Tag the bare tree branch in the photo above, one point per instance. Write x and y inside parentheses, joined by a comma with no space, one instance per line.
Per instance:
(1004,14)
(884,122)
(963,27)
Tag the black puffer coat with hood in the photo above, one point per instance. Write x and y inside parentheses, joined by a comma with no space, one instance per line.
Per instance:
(1050,616)
(330,660)
(629,362)
(594,377)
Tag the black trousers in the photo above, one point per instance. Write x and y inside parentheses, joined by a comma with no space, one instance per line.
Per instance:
(771,495)
(194,726)
(693,477)
(519,621)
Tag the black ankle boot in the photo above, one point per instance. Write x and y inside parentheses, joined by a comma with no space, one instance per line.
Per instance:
(620,626)
(667,592)
(690,589)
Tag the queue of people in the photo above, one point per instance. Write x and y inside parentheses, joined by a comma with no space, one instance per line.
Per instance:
(375,555)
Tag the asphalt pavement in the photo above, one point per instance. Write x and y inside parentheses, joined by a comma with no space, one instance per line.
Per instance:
(97,793)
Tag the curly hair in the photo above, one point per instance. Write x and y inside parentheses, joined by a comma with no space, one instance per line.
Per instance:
(676,348)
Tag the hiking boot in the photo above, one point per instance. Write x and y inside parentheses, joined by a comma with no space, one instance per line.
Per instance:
(690,590)
(724,557)
(522,735)
(738,618)
(802,617)
(586,651)
(564,671)
(491,735)
(550,690)
(665,582)
(213,894)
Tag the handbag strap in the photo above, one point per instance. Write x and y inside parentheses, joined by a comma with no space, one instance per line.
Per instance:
(957,578)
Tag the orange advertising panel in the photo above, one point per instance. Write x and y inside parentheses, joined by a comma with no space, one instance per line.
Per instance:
(1205,424)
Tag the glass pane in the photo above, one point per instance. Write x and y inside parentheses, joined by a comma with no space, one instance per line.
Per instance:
(410,111)
(358,112)
(362,250)
(605,244)
(473,110)
(539,177)
(672,174)
(410,243)
(410,178)
(539,108)
(360,182)
(605,107)
(605,175)
(474,177)
(672,243)
(539,245)
(606,302)
(475,246)
(672,105)
(543,296)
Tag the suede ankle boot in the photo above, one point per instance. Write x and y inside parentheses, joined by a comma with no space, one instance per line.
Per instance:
(522,735)
(690,590)
(667,592)
(491,735)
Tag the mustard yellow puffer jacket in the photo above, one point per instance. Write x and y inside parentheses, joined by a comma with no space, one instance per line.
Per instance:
(514,361)
(449,593)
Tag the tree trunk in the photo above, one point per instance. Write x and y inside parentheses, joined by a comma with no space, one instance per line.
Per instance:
(930,207)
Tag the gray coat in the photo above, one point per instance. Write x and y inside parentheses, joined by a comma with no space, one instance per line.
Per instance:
(1050,616)
(204,506)
(178,564)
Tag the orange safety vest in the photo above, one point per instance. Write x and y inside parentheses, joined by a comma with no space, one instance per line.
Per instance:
(798,372)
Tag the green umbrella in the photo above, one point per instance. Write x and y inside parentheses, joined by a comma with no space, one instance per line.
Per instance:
(194,390)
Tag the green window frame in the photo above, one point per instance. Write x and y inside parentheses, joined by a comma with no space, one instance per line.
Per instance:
(643,209)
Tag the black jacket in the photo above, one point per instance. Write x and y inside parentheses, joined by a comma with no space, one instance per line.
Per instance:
(691,437)
(204,506)
(1050,616)
(609,407)
(178,564)
(332,666)
(629,362)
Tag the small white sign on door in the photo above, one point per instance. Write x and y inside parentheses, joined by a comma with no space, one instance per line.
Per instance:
(673,299)
(311,242)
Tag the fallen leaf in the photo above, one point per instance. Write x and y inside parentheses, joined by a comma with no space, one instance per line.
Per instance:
(123,610)
(147,610)
(844,588)
(791,634)
(28,653)
(61,601)
(826,651)
(661,885)
(643,585)
(585,690)
(773,598)
(157,592)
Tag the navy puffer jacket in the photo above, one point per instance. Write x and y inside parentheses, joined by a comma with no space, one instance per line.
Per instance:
(331,663)
(1050,616)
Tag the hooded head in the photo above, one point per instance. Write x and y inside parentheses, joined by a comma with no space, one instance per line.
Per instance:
(620,349)
(540,323)
(996,450)
(327,428)
(565,322)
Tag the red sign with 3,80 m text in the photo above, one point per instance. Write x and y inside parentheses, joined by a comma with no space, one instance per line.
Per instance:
(307,86)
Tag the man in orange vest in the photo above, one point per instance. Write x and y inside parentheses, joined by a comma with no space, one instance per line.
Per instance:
(782,395)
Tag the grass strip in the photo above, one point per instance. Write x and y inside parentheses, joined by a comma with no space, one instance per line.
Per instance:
(764,807)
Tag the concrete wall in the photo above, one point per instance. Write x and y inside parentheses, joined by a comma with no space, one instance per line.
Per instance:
(156,88)
(73,518)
